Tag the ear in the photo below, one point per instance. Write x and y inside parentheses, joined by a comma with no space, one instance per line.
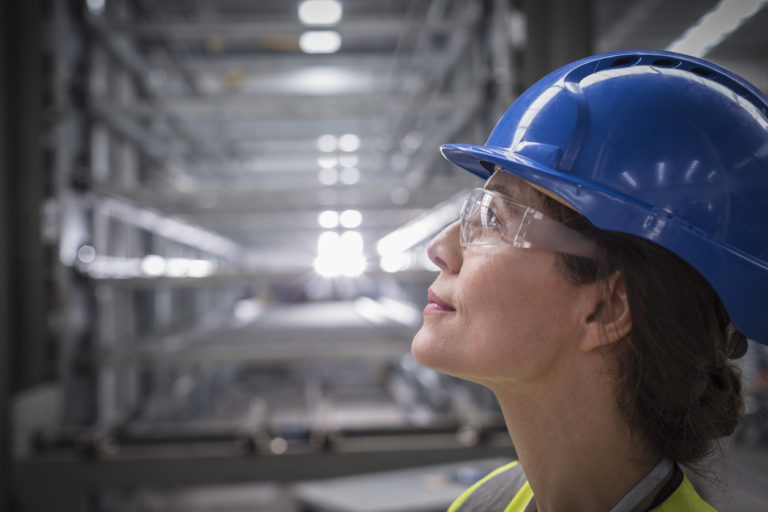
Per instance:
(610,319)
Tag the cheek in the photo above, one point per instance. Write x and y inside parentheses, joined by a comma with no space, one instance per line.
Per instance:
(509,320)
(513,322)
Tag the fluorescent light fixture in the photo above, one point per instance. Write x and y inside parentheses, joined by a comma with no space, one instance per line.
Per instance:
(339,255)
(169,227)
(153,265)
(349,176)
(327,161)
(349,142)
(328,219)
(96,6)
(320,41)
(322,80)
(200,268)
(328,176)
(350,218)
(320,12)
(327,143)
(715,26)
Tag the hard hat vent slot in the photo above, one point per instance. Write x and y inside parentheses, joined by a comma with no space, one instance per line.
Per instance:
(623,61)
(665,63)
(701,71)
(488,166)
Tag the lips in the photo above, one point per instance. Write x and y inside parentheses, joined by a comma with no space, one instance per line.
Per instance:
(436,303)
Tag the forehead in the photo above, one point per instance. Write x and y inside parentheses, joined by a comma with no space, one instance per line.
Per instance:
(513,187)
(520,190)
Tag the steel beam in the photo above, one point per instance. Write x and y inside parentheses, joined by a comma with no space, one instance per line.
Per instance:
(558,33)
(263,195)
(383,27)
(160,467)
(166,226)
(267,107)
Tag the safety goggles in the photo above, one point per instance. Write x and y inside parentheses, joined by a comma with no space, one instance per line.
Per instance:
(489,219)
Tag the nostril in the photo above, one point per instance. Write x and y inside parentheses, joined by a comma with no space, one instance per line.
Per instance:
(437,260)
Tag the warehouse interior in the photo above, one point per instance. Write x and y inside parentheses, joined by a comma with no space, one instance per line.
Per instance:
(214,223)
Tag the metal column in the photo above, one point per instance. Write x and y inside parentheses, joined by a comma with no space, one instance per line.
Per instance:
(559,31)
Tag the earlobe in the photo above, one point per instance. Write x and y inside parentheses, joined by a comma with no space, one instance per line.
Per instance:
(610,319)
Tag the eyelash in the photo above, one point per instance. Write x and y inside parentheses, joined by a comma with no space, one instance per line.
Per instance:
(484,217)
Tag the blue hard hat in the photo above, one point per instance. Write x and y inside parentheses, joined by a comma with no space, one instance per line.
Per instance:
(660,145)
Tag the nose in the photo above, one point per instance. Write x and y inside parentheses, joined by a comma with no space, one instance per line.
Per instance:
(444,250)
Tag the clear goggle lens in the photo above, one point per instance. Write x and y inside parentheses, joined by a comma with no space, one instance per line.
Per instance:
(490,219)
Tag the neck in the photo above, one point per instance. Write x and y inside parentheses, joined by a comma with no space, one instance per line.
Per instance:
(572,441)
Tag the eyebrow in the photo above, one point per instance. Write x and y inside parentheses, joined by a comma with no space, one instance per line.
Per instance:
(497,187)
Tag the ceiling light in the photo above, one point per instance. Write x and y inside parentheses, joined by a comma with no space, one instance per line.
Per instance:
(326,162)
(349,176)
(349,142)
(328,219)
(320,12)
(340,254)
(327,143)
(350,218)
(153,265)
(715,26)
(328,176)
(96,6)
(320,41)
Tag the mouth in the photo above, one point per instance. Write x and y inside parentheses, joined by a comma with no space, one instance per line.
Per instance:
(436,304)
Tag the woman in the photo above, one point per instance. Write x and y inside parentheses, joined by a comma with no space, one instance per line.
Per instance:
(601,280)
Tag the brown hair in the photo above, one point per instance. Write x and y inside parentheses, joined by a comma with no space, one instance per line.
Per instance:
(676,387)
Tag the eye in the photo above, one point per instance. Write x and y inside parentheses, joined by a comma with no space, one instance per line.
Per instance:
(488,217)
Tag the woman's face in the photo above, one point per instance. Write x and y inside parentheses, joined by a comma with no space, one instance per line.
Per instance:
(499,314)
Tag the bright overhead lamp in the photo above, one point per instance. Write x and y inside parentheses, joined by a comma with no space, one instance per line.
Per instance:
(350,218)
(339,255)
(349,142)
(328,219)
(96,6)
(327,143)
(349,176)
(715,26)
(327,162)
(320,12)
(328,176)
(320,41)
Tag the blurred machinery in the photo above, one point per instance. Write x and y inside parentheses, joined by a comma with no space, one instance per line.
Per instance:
(215,219)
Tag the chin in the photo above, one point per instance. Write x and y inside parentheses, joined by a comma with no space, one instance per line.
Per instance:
(429,351)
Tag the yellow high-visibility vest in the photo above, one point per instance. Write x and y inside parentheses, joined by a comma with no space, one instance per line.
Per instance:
(506,489)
